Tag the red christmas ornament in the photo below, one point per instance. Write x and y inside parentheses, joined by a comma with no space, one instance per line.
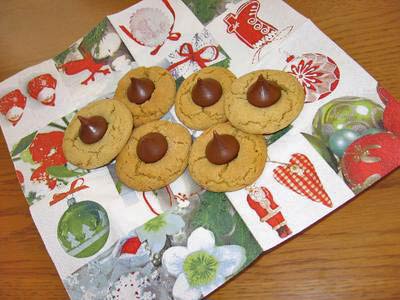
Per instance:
(131,246)
(261,201)
(318,74)
(369,158)
(43,89)
(12,106)
(384,94)
(392,111)
(300,176)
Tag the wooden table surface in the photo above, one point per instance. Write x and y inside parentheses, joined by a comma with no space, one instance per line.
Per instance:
(353,254)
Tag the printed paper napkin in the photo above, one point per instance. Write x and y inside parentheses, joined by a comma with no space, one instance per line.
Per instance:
(108,241)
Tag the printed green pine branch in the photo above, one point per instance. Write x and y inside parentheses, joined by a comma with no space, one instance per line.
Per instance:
(93,38)
(60,58)
(204,9)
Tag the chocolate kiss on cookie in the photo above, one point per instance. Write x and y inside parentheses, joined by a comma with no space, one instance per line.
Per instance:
(263,93)
(152,147)
(92,129)
(222,149)
(206,92)
(140,90)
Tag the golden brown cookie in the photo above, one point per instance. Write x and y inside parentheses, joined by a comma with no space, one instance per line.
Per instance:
(141,176)
(237,174)
(119,127)
(161,100)
(195,116)
(264,120)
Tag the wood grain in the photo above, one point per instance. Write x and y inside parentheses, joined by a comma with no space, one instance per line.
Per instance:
(352,254)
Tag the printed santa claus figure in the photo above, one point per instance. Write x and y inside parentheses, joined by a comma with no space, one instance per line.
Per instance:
(12,106)
(43,89)
(261,201)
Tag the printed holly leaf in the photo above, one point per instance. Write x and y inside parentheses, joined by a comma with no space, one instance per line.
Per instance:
(178,82)
(26,157)
(323,150)
(62,172)
(118,186)
(272,138)
(23,144)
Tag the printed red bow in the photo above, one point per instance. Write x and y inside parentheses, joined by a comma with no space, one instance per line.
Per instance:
(187,52)
(300,176)
(73,189)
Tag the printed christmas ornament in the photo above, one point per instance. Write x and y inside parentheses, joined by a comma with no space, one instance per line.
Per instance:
(384,94)
(43,89)
(341,139)
(370,158)
(354,113)
(261,201)
(318,74)
(12,106)
(83,229)
(391,114)
(300,176)
(152,27)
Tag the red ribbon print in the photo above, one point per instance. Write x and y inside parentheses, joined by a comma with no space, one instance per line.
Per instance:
(73,189)
(187,52)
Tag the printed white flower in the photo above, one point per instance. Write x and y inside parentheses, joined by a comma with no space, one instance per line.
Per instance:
(201,266)
(156,230)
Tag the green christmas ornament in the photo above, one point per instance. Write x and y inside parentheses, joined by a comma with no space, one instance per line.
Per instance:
(83,229)
(341,139)
(353,113)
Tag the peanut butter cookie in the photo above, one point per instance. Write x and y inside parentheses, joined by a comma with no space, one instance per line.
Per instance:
(263,102)
(97,133)
(226,159)
(149,93)
(200,98)
(156,154)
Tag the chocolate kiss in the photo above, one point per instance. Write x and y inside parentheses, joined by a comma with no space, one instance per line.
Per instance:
(152,147)
(140,90)
(263,93)
(206,92)
(92,129)
(222,149)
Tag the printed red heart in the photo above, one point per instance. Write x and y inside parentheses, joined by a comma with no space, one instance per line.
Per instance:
(300,176)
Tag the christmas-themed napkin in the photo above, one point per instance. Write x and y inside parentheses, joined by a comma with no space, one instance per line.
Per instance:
(108,241)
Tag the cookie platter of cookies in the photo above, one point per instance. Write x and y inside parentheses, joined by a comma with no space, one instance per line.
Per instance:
(150,153)
(150,150)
